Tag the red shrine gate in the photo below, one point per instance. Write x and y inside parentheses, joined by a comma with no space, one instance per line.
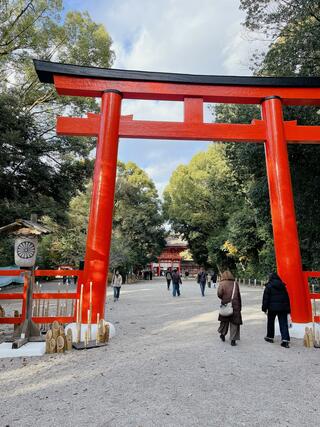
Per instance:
(170,257)
(114,85)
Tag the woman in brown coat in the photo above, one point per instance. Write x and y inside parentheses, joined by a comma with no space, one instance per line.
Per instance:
(235,320)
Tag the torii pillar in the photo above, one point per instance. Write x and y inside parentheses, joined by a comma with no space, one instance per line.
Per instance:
(100,226)
(285,232)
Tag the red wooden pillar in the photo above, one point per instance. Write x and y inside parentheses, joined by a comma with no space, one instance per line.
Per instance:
(285,233)
(101,208)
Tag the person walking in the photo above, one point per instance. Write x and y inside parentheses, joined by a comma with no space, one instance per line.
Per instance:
(276,303)
(202,280)
(229,293)
(176,282)
(169,278)
(214,279)
(116,283)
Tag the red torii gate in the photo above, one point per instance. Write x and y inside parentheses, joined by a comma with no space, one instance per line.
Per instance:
(114,85)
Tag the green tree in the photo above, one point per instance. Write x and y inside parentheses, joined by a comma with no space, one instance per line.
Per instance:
(137,214)
(244,233)
(138,234)
(38,29)
(30,179)
(292,28)
(247,162)
(294,50)
(198,202)
(41,172)
(67,243)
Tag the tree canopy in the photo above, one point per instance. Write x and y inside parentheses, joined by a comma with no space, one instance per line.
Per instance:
(137,214)
(41,29)
(243,233)
(138,233)
(39,171)
(31,179)
(198,202)
(292,26)
(292,29)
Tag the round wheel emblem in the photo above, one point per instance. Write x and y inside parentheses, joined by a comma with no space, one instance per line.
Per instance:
(26,250)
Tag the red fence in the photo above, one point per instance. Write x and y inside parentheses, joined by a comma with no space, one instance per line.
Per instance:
(40,295)
(313,295)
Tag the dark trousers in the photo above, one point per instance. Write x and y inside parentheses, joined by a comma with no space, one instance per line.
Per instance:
(168,283)
(175,289)
(202,287)
(116,292)
(283,323)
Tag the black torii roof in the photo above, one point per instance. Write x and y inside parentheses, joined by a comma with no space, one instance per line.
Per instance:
(47,69)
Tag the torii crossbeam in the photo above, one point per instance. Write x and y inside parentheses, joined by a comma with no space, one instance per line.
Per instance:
(114,85)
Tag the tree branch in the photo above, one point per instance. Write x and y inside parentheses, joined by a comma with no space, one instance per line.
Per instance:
(23,31)
(22,12)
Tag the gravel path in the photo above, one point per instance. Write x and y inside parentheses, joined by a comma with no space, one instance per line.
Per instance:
(167,367)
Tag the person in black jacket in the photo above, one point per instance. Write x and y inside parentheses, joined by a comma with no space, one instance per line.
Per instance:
(202,280)
(176,281)
(214,279)
(276,303)
(169,278)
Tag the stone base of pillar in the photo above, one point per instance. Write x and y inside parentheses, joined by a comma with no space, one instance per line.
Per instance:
(296,330)
(27,350)
(84,326)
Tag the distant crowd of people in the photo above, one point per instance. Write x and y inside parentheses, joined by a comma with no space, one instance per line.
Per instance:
(202,278)
(275,302)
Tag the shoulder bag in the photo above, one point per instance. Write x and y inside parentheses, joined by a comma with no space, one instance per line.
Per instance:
(226,310)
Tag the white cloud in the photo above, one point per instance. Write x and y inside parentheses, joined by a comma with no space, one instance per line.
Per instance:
(237,55)
(181,36)
(159,171)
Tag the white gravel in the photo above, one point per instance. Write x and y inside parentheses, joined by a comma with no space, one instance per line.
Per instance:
(167,367)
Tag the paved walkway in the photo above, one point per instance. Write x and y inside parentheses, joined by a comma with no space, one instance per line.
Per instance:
(167,367)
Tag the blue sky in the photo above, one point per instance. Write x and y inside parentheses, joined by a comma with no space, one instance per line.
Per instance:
(181,36)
